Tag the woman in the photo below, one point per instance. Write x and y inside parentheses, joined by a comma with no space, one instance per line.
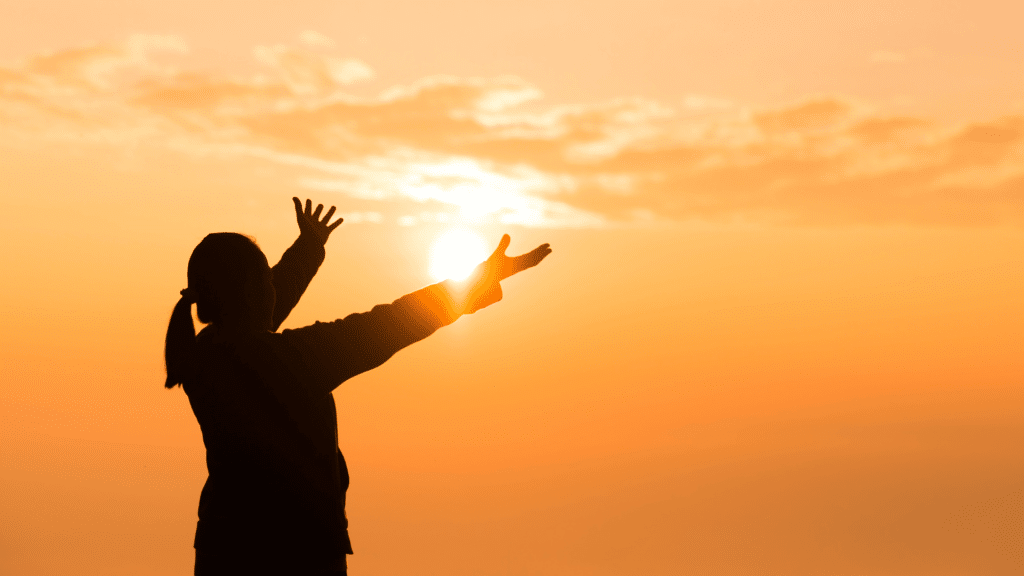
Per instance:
(274,502)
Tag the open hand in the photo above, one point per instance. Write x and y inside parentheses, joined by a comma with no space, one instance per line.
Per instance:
(482,288)
(310,223)
(505,266)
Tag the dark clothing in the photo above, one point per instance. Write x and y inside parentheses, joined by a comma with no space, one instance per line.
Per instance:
(210,563)
(277,480)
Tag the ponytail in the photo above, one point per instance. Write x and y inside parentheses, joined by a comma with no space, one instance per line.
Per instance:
(219,270)
(180,345)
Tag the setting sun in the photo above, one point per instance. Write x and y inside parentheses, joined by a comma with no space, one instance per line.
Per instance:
(455,254)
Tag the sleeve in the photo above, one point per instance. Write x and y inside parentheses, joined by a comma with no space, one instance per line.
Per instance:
(293,274)
(333,352)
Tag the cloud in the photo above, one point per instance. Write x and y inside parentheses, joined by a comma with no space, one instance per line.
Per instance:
(315,39)
(486,149)
(307,72)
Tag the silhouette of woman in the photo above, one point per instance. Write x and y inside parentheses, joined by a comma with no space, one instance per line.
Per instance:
(274,501)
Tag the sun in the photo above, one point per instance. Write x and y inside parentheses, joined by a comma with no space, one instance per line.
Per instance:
(455,254)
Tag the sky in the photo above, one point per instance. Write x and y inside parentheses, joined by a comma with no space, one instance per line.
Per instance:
(780,331)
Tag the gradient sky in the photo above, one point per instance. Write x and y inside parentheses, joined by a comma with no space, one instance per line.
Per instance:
(780,332)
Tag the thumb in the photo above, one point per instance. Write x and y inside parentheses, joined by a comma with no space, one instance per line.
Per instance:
(502,246)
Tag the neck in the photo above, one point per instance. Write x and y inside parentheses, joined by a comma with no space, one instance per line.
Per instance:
(233,331)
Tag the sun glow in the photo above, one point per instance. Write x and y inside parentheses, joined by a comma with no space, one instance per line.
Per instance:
(455,254)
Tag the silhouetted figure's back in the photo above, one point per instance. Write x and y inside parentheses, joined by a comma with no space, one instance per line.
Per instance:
(274,502)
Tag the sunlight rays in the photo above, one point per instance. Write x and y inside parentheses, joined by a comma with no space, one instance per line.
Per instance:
(455,253)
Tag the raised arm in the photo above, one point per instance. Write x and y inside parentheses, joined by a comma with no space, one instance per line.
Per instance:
(331,352)
(302,259)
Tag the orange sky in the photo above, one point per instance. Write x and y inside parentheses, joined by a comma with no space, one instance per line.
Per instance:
(780,331)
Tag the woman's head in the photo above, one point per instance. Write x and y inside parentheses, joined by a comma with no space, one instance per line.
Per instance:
(230,281)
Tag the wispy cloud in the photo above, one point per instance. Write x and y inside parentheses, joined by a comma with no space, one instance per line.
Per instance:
(315,39)
(471,148)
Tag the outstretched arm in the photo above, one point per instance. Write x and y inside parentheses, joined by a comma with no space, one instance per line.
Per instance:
(336,351)
(302,259)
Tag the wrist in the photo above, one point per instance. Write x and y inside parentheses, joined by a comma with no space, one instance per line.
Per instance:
(478,291)
(312,239)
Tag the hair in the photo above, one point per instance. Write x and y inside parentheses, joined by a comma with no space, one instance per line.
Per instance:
(221,270)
